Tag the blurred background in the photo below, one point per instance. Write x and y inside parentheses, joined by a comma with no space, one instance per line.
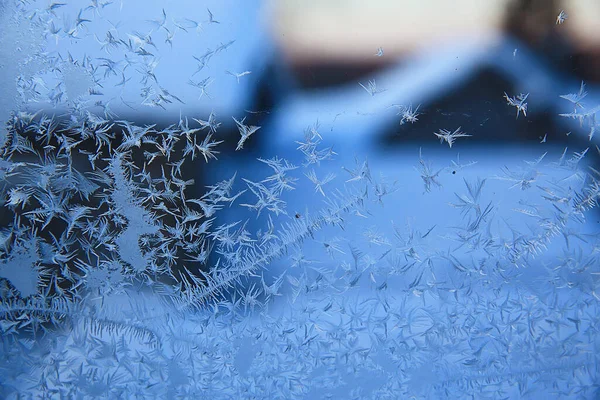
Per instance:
(347,69)
(452,60)
(289,63)
(455,61)
(345,66)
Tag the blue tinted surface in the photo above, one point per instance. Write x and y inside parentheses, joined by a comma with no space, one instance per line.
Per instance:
(180,218)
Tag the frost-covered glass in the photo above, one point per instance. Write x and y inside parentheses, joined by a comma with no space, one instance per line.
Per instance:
(299,199)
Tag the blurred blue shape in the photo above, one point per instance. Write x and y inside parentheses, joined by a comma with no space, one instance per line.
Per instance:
(238,42)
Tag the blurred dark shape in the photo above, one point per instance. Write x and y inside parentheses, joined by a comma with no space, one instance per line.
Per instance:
(332,74)
(478,108)
(534,23)
(477,104)
(586,64)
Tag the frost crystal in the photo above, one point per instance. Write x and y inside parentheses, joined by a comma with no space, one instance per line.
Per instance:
(128,271)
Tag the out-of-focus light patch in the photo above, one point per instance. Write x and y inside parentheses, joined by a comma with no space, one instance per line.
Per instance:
(583,23)
(353,30)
